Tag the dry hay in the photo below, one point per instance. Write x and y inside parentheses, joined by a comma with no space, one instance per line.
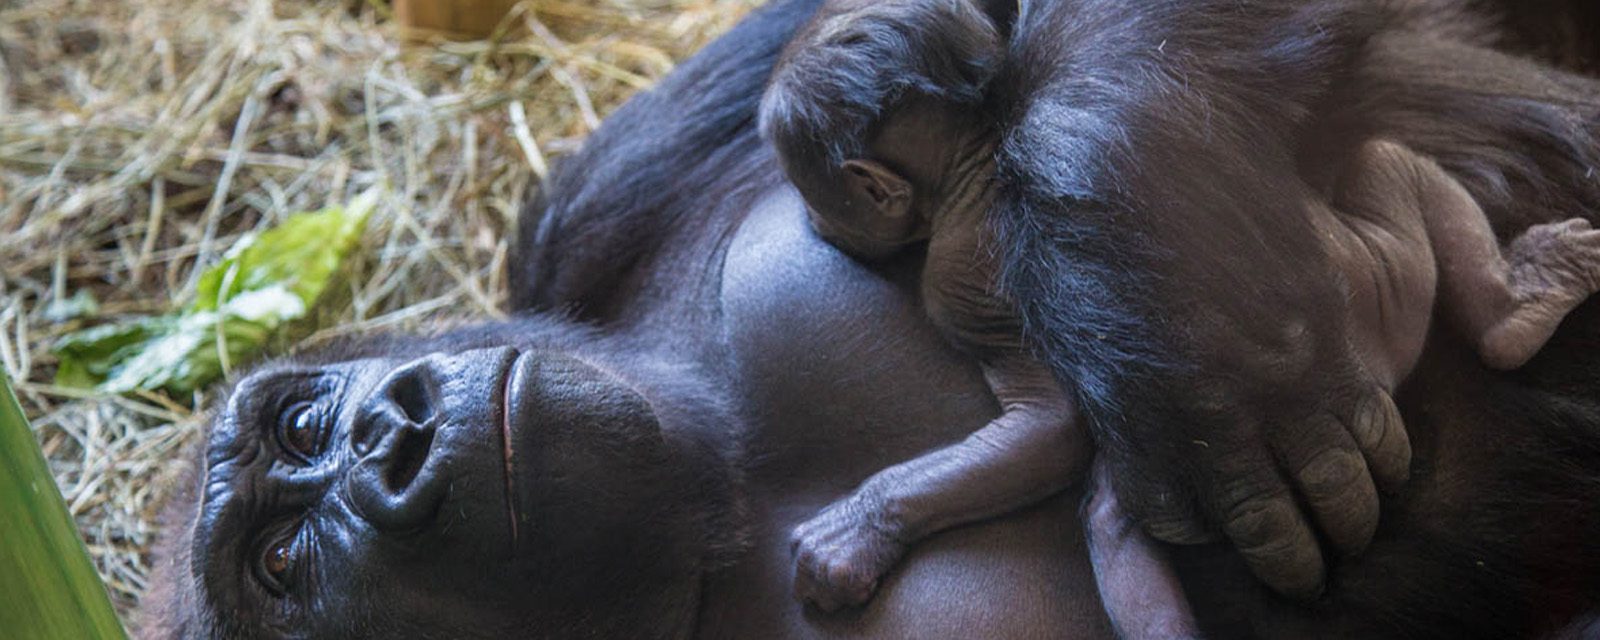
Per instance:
(140,138)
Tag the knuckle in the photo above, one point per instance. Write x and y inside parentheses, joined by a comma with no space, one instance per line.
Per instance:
(1331,472)
(1272,559)
(1375,417)
(1261,522)
(1289,354)
(842,573)
(1315,432)
(1178,531)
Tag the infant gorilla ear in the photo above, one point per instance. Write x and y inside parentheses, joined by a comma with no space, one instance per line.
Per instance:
(878,186)
(880,217)
(839,100)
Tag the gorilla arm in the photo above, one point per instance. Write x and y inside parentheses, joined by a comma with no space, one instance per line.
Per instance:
(1152,230)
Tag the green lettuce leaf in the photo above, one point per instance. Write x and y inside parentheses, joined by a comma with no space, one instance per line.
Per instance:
(264,282)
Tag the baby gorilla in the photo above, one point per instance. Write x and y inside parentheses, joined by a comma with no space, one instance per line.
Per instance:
(926,176)
(876,111)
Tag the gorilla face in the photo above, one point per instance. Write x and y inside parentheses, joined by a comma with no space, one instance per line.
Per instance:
(328,486)
(456,489)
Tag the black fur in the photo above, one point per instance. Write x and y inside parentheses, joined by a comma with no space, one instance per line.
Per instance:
(1142,136)
(662,166)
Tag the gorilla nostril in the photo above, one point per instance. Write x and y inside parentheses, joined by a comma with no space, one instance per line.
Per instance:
(413,395)
(406,459)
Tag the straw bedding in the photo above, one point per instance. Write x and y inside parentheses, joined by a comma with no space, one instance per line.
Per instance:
(140,138)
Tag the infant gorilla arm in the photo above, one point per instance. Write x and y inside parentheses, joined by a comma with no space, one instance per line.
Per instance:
(911,160)
(1196,387)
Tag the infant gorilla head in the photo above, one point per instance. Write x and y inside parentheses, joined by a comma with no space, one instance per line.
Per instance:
(482,483)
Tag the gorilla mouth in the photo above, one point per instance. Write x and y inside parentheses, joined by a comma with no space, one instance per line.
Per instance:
(506,447)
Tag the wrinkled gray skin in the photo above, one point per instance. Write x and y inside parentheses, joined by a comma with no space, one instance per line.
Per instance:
(1405,234)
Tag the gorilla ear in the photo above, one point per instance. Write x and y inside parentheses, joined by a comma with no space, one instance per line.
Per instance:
(871,182)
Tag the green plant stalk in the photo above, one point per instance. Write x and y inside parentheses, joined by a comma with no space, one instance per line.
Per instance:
(48,588)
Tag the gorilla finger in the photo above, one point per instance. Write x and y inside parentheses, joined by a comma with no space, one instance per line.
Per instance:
(848,585)
(1170,513)
(816,593)
(1178,521)
(1380,433)
(1332,477)
(1141,594)
(810,585)
(1275,540)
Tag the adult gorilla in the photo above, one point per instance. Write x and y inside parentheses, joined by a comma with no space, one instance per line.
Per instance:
(701,374)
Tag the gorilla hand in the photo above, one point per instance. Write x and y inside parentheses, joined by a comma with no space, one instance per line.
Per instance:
(841,553)
(1152,229)
(1249,467)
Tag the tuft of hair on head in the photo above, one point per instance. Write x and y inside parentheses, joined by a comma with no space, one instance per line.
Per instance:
(857,60)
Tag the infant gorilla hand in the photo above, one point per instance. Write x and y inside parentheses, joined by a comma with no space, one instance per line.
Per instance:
(842,552)
(1268,473)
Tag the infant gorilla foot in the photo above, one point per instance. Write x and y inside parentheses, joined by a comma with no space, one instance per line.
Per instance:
(842,552)
(1553,268)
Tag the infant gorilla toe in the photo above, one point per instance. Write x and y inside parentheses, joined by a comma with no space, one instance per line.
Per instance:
(1553,268)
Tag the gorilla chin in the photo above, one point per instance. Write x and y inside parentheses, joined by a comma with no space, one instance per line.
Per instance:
(459,486)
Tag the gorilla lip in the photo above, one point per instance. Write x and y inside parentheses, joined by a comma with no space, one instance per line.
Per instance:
(506,446)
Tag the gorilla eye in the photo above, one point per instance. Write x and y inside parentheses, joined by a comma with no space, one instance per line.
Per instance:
(300,430)
(276,562)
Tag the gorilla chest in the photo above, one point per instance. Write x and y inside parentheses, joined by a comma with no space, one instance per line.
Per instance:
(837,361)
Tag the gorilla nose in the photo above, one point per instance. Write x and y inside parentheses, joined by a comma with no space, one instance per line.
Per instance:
(391,484)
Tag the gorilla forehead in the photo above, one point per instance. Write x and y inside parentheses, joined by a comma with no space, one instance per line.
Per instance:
(523,331)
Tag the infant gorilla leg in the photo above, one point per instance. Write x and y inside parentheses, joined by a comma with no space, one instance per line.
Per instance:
(1508,304)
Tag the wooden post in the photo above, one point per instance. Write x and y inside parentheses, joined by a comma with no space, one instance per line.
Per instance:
(454,18)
